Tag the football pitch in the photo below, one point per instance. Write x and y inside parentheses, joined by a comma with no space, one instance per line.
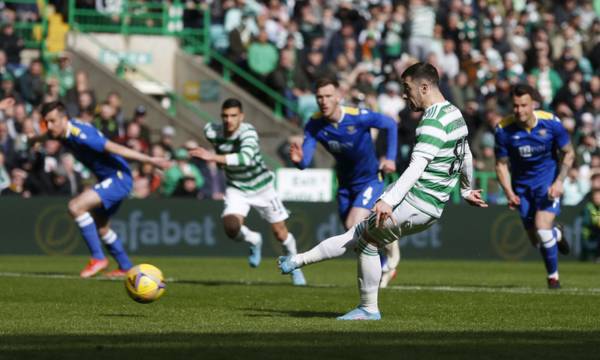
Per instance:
(219,308)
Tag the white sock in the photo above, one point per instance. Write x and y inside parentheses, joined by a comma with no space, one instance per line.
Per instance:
(392,251)
(329,248)
(289,245)
(558,234)
(248,235)
(369,276)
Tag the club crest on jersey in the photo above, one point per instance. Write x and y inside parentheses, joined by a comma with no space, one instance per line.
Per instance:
(543,132)
(351,129)
(226,147)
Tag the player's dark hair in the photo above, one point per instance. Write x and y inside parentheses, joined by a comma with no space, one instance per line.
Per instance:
(232,103)
(327,80)
(51,106)
(422,71)
(525,89)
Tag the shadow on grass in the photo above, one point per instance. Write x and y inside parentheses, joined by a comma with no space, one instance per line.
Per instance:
(290,313)
(354,341)
(123,315)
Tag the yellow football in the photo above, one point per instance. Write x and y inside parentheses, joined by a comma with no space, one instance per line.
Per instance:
(145,283)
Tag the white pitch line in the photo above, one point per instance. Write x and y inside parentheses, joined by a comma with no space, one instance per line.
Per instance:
(491,289)
(436,288)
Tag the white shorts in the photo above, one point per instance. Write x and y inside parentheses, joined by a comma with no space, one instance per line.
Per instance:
(406,220)
(266,202)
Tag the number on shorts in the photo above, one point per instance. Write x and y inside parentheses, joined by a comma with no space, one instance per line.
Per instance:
(104,184)
(367,195)
(459,156)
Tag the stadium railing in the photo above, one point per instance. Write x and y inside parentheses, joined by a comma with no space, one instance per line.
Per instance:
(164,18)
(33,33)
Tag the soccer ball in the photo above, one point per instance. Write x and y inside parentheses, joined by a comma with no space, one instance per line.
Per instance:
(145,283)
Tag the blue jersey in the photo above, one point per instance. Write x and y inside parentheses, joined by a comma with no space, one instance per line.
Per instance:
(533,153)
(350,143)
(87,145)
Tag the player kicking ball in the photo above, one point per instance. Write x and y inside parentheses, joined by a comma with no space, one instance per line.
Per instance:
(93,208)
(249,183)
(530,141)
(345,132)
(416,200)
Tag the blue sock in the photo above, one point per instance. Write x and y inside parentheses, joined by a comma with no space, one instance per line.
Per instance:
(549,251)
(90,235)
(116,249)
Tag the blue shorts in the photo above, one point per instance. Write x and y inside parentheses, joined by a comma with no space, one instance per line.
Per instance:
(362,196)
(534,200)
(112,191)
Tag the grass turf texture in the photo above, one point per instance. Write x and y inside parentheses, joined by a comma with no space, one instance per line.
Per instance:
(221,309)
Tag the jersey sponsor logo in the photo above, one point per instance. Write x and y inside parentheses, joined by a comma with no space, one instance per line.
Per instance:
(525,151)
(334,146)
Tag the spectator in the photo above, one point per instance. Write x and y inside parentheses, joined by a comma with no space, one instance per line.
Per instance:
(32,83)
(575,188)
(73,179)
(262,55)
(179,171)
(63,71)
(105,121)
(71,96)
(590,227)
(4,177)
(17,184)
(166,141)
(12,45)
(390,102)
(139,117)
(7,146)
(114,99)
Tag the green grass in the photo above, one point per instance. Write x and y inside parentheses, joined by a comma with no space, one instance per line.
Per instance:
(221,309)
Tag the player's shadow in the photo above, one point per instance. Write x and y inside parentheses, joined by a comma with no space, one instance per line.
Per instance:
(289,313)
(231,282)
(123,315)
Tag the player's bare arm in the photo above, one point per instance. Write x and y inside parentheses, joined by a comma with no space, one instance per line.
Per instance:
(567,158)
(387,166)
(472,197)
(296,153)
(131,154)
(207,155)
(504,179)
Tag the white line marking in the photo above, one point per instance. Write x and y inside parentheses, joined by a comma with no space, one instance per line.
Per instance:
(436,288)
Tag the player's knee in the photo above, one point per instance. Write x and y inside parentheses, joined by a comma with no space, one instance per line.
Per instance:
(231,226)
(75,209)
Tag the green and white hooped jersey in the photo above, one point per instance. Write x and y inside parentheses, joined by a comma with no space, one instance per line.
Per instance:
(441,138)
(245,169)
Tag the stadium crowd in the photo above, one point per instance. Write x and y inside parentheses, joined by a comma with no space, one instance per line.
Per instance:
(480,48)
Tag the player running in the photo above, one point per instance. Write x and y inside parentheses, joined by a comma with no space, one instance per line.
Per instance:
(93,208)
(416,200)
(531,141)
(345,132)
(249,183)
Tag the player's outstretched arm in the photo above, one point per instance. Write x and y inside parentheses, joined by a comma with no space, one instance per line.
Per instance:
(301,155)
(207,155)
(131,154)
